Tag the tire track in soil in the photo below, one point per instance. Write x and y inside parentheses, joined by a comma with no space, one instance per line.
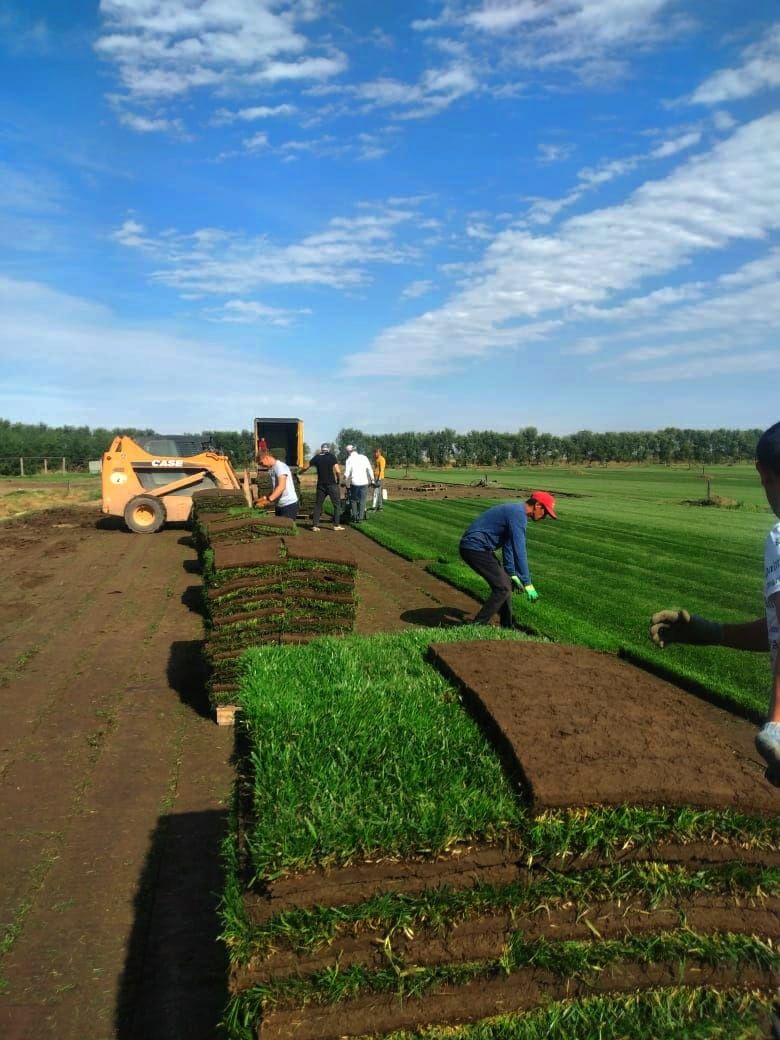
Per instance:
(137,866)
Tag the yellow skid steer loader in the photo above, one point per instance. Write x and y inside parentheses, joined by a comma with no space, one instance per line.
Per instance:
(150,480)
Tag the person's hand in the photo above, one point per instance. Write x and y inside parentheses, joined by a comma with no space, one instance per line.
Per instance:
(262,503)
(531,593)
(678,626)
(516,582)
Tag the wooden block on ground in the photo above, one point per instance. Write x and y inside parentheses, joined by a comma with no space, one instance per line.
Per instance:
(226,714)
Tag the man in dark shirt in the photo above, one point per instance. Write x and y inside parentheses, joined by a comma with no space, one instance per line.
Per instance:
(504,527)
(328,475)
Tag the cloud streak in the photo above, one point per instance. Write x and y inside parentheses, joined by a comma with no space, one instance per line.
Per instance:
(526,284)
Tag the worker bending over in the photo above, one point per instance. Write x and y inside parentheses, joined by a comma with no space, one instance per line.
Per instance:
(283,497)
(678,626)
(503,527)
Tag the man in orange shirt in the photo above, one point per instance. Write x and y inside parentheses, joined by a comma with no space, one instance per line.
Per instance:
(379,479)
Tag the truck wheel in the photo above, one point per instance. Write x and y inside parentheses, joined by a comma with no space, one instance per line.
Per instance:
(144,514)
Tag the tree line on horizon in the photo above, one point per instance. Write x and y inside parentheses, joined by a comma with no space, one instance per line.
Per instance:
(527,446)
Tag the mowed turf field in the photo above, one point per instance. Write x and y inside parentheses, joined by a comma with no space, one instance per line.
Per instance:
(629,542)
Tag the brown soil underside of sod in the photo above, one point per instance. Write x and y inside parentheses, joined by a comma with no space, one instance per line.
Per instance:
(490,865)
(522,990)
(484,937)
(584,728)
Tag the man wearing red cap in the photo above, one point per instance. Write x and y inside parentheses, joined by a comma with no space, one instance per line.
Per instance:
(503,527)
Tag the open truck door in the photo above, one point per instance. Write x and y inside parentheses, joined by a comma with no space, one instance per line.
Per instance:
(283,438)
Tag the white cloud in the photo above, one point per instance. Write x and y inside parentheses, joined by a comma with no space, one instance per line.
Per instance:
(676,144)
(150,125)
(164,50)
(549,153)
(246,312)
(42,330)
(583,35)
(435,90)
(741,364)
(731,193)
(214,261)
(416,289)
(252,113)
(256,143)
(760,71)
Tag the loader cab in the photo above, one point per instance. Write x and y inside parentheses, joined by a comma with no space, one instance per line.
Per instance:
(283,438)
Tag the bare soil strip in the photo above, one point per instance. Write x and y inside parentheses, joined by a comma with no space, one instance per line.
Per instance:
(484,937)
(520,991)
(113,796)
(584,728)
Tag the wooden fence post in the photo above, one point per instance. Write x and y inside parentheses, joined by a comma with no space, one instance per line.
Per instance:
(45,465)
(63,463)
(21,467)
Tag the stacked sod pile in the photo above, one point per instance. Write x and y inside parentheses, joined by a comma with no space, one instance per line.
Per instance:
(216,500)
(385,875)
(271,590)
(239,525)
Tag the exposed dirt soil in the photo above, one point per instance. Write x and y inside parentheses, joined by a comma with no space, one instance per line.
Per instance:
(583,728)
(114,780)
(494,866)
(113,786)
(484,937)
(518,991)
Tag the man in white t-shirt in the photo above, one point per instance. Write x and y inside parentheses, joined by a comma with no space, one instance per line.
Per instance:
(283,497)
(678,626)
(359,475)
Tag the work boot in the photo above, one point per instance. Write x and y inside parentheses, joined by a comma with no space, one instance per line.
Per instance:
(768,742)
(337,527)
(315,528)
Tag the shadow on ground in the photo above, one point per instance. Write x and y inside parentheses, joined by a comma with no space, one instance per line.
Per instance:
(187,674)
(436,617)
(174,983)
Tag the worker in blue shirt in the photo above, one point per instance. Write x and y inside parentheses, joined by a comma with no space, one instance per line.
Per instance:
(503,527)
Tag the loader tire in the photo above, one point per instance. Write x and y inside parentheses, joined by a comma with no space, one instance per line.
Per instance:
(144,514)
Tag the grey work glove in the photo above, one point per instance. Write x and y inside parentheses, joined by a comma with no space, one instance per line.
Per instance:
(678,626)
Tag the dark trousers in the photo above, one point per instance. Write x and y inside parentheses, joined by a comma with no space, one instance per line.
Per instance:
(291,510)
(324,491)
(500,600)
(358,494)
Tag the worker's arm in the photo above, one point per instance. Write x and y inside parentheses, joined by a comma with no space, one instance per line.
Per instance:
(336,473)
(278,491)
(515,557)
(678,626)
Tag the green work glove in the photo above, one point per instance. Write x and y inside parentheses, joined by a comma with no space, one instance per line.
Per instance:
(531,593)
(516,582)
(678,626)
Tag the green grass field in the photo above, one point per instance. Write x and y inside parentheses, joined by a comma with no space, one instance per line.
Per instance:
(627,545)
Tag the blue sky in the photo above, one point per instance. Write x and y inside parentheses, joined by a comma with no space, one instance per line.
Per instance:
(466,213)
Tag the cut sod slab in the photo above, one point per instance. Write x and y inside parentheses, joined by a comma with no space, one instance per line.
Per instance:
(387,870)
(584,728)
(217,500)
(247,526)
(267,592)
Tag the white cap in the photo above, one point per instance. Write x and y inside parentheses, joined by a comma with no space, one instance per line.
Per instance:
(350,447)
